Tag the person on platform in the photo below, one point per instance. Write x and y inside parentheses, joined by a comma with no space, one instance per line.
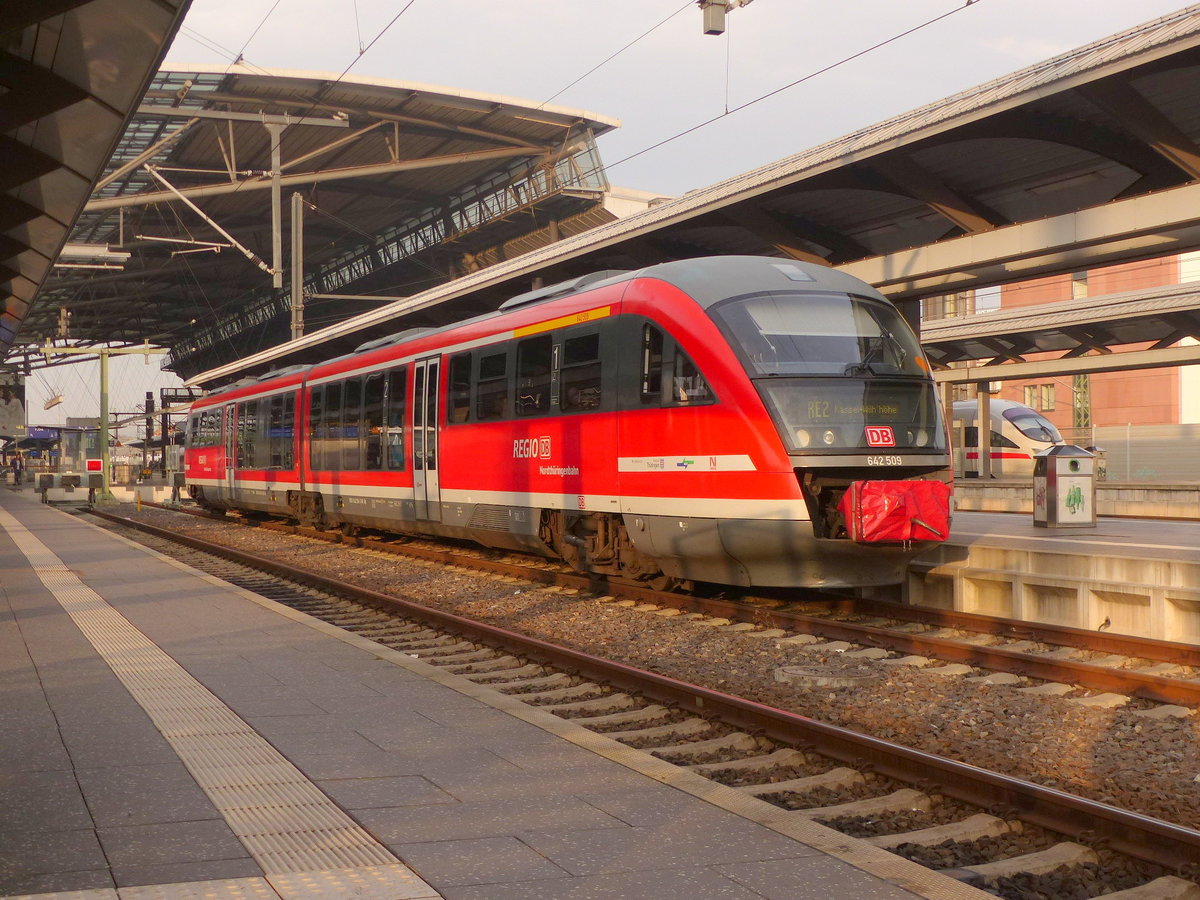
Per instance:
(18,468)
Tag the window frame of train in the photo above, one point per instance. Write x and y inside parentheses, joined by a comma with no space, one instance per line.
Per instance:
(365,435)
(246,443)
(666,374)
(202,432)
(484,384)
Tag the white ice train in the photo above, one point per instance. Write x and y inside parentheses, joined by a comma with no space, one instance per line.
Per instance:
(1018,433)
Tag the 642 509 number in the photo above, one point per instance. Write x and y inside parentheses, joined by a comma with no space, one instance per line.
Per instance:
(885,460)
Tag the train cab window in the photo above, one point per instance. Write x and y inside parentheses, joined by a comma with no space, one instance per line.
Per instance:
(316,416)
(652,364)
(688,386)
(397,386)
(458,408)
(372,421)
(491,394)
(580,377)
(534,357)
(669,377)
(351,455)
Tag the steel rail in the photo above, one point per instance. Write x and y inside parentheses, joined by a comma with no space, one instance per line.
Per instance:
(1146,686)
(1131,833)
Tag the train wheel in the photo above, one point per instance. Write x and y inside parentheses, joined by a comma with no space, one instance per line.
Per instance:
(664,582)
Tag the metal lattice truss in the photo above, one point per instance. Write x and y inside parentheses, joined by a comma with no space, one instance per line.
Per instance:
(71,72)
(187,239)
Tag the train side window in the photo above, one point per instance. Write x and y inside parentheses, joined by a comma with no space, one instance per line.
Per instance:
(688,386)
(331,427)
(287,433)
(397,386)
(458,408)
(247,427)
(652,364)
(534,357)
(316,416)
(580,384)
(372,420)
(351,455)
(491,394)
(275,443)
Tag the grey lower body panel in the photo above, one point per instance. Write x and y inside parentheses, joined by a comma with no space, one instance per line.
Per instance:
(766,553)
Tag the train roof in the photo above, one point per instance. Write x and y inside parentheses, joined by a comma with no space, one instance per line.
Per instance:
(709,280)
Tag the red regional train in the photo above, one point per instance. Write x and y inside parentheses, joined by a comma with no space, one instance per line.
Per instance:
(737,420)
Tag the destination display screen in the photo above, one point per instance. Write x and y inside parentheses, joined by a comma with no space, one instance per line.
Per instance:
(816,414)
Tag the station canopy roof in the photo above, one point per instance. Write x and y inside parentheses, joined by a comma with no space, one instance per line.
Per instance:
(1083,160)
(402,185)
(71,72)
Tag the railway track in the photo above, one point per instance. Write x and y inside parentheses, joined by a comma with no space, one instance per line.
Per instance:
(1117,667)
(1004,834)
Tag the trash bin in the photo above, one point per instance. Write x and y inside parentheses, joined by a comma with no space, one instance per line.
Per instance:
(1064,488)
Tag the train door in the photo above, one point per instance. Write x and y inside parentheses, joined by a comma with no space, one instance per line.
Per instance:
(424,426)
(230,450)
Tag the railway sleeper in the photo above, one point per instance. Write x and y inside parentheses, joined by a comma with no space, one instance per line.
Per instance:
(390,629)
(416,637)
(599,705)
(736,742)
(834,779)
(508,674)
(586,690)
(972,828)
(495,664)
(449,651)
(903,800)
(644,714)
(1067,853)
(782,758)
(463,661)
(521,685)
(1168,887)
(692,726)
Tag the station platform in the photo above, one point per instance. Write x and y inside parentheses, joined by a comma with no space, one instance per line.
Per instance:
(1127,575)
(166,735)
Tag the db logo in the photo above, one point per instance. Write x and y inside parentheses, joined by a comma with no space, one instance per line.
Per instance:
(880,436)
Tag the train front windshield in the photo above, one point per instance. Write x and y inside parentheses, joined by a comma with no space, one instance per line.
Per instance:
(1030,424)
(828,366)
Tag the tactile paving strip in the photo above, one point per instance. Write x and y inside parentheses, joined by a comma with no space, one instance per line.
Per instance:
(284,821)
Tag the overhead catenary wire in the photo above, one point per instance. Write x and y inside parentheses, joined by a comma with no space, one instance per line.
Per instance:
(811,75)
(614,55)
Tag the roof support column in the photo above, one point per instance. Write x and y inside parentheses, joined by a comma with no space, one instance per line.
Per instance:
(297,265)
(983,408)
(276,132)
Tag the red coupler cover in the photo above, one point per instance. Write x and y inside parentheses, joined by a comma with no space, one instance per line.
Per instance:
(896,511)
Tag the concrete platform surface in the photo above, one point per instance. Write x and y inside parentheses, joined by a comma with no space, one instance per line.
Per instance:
(168,735)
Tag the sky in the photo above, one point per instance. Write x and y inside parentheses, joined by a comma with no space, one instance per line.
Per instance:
(647,63)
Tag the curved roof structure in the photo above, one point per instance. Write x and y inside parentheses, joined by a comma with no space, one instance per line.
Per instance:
(71,73)
(185,241)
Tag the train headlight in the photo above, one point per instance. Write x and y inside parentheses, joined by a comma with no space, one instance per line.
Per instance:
(918,438)
(803,438)
(829,437)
